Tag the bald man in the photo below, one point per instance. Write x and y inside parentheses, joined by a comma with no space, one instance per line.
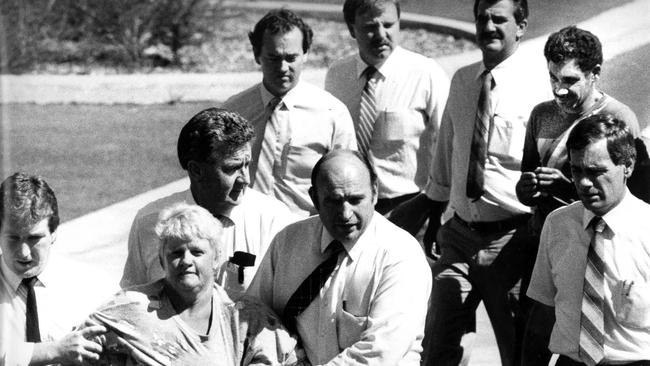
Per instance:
(360,288)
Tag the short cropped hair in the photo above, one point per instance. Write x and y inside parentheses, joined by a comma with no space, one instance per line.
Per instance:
(574,43)
(211,132)
(185,222)
(364,159)
(353,7)
(279,21)
(620,142)
(521,8)
(26,200)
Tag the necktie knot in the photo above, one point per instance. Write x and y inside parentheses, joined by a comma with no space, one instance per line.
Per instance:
(369,73)
(273,103)
(29,282)
(598,224)
(335,248)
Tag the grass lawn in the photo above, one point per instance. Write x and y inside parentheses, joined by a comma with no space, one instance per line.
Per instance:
(92,155)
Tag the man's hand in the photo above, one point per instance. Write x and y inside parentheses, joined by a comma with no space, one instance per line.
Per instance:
(527,188)
(74,348)
(548,177)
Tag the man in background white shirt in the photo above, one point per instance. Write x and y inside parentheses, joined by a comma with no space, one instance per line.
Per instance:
(295,122)
(410,95)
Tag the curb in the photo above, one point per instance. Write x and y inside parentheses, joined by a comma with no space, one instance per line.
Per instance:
(172,88)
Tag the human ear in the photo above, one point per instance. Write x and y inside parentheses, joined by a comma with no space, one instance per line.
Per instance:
(195,170)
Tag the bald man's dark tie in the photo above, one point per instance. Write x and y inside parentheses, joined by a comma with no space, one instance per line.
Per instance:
(310,288)
(479,146)
(32,331)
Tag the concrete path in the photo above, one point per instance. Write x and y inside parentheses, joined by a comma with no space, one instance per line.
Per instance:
(99,238)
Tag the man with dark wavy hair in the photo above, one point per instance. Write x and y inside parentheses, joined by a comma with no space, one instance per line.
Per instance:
(295,122)
(593,265)
(214,148)
(35,317)
(574,58)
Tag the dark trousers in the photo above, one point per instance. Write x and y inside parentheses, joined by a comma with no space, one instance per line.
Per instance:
(567,361)
(474,266)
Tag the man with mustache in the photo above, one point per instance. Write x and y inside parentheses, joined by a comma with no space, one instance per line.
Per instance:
(295,122)
(214,148)
(397,127)
(593,265)
(475,169)
(351,285)
(575,60)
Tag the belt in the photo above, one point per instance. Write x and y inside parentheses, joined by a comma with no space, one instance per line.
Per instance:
(494,226)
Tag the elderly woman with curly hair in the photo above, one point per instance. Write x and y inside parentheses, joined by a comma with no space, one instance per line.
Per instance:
(185,318)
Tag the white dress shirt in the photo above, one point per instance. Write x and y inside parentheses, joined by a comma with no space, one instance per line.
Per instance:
(250,227)
(410,94)
(559,272)
(61,301)
(519,86)
(311,123)
(373,307)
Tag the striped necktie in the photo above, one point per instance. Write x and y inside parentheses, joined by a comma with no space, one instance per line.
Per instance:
(367,110)
(264,180)
(478,148)
(310,288)
(592,321)
(32,330)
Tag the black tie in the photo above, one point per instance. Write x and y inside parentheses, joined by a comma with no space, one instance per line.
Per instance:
(33,333)
(310,287)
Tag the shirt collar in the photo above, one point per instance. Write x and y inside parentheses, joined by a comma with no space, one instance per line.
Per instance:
(503,70)
(617,217)
(353,250)
(14,280)
(391,63)
(289,99)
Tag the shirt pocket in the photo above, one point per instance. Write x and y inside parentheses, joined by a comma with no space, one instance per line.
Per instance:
(507,138)
(298,161)
(632,304)
(349,328)
(393,129)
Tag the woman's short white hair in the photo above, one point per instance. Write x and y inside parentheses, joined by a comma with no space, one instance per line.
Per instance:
(187,222)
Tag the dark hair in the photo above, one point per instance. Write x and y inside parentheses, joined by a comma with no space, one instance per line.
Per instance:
(28,199)
(574,43)
(279,21)
(521,8)
(212,131)
(366,162)
(620,142)
(353,7)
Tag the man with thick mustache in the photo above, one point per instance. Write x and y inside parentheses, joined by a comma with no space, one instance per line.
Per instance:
(593,265)
(475,169)
(398,131)
(295,122)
